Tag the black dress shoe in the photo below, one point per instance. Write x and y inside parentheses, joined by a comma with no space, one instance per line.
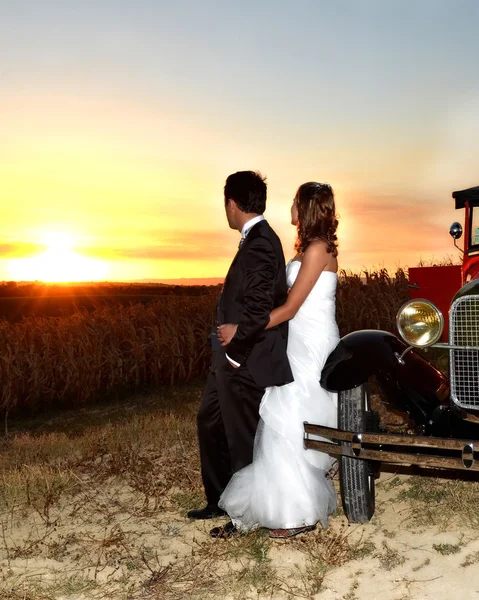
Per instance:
(225,531)
(210,511)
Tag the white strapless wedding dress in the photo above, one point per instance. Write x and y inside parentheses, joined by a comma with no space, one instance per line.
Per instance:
(286,486)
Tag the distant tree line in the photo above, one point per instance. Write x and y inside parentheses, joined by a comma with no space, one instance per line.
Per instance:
(12,289)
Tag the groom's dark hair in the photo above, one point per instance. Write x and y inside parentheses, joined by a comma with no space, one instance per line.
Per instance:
(248,190)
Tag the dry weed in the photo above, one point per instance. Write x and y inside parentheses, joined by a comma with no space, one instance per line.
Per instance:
(434,501)
(101,512)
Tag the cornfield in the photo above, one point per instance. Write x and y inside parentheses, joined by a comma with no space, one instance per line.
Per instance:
(370,301)
(75,359)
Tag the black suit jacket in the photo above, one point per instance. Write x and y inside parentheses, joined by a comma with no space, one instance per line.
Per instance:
(254,285)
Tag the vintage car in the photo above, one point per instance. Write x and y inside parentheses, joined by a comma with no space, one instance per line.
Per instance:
(444,411)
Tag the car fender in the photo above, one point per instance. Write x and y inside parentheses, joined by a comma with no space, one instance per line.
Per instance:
(412,384)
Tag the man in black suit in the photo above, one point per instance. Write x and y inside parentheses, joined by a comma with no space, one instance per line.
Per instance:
(255,358)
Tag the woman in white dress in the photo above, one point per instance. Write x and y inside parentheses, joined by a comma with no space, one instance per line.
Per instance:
(285,487)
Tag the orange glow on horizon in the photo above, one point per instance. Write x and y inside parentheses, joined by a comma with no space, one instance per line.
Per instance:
(58,264)
(154,209)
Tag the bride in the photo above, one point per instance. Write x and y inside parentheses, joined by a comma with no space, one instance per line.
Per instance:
(285,487)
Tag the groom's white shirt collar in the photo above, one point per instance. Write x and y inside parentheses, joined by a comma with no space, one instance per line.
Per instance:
(249,224)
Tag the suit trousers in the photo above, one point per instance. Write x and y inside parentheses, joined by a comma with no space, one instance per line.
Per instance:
(227,422)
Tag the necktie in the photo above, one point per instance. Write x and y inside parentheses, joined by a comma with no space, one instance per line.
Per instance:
(243,237)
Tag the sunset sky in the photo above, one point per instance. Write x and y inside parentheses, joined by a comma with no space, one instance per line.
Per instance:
(120,120)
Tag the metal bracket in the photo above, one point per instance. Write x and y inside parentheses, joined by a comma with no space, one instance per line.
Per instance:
(400,357)
(460,249)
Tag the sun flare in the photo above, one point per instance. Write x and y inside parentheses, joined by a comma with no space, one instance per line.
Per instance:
(58,240)
(59,263)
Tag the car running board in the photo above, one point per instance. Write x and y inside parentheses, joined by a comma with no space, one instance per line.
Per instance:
(442,453)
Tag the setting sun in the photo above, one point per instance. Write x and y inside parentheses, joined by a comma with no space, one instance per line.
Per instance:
(59,263)
(58,240)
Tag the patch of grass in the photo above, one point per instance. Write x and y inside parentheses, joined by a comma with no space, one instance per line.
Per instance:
(69,585)
(188,500)
(446,549)
(255,546)
(389,534)
(323,549)
(39,487)
(425,563)
(62,586)
(424,489)
(330,547)
(471,559)
(457,500)
(258,551)
(313,576)
(153,451)
(9,594)
(391,484)
(351,595)
(261,576)
(363,549)
(389,558)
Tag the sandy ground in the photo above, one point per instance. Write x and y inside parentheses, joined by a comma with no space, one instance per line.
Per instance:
(105,543)
(113,527)
(409,561)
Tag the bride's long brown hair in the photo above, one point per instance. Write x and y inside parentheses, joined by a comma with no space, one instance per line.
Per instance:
(316,216)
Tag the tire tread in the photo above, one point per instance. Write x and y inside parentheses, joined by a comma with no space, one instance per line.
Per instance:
(357,484)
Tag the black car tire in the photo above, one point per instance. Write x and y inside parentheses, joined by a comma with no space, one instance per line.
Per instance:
(356,476)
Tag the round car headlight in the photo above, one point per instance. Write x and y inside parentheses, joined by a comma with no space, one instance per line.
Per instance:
(420,323)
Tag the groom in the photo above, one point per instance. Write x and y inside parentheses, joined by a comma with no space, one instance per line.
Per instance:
(255,358)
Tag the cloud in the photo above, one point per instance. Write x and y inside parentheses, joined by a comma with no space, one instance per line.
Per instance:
(177,245)
(392,229)
(20,249)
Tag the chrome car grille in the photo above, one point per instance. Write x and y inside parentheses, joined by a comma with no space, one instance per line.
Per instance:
(464,363)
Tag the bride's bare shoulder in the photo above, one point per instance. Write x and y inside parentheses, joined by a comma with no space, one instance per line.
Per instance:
(317,252)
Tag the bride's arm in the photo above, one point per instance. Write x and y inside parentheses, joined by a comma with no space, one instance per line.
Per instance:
(315,259)
(314,262)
